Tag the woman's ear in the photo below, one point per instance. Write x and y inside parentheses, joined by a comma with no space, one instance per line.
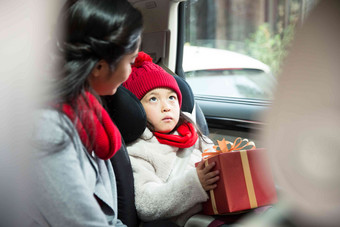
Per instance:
(101,68)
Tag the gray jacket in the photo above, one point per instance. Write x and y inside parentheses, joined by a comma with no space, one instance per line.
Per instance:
(71,186)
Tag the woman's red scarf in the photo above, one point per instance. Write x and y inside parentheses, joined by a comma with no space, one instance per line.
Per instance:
(95,127)
(187,136)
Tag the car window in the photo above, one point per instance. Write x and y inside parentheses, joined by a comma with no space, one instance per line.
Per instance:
(230,75)
(235,48)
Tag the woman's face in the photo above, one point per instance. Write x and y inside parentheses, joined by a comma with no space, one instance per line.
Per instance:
(105,81)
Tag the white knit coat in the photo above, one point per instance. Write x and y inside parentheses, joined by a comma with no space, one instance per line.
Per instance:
(157,195)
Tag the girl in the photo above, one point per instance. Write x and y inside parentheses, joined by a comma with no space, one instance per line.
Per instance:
(74,136)
(167,184)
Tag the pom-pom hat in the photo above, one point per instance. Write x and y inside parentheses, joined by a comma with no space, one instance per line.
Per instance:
(147,75)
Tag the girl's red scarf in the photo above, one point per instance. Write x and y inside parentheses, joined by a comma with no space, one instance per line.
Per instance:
(95,127)
(187,136)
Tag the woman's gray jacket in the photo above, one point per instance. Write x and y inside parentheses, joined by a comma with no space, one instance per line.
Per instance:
(71,187)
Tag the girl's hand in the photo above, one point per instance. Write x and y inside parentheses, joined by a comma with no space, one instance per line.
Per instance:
(207,177)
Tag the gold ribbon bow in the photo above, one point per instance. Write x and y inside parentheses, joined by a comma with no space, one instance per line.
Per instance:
(227,146)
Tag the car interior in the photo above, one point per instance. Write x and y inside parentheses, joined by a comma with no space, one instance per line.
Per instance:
(162,40)
(284,97)
(164,37)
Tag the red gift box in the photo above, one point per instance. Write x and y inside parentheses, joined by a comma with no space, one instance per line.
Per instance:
(245,182)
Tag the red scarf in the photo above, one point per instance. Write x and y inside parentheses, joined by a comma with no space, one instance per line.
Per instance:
(95,127)
(187,136)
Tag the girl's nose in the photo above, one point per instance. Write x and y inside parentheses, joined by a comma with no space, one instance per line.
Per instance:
(166,107)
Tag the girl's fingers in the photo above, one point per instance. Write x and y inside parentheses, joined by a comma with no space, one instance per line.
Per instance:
(212,180)
(208,168)
(212,174)
(210,187)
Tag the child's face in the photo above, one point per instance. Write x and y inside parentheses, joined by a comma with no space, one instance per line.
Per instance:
(162,109)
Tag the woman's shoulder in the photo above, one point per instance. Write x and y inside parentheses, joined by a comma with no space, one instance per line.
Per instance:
(44,118)
(51,126)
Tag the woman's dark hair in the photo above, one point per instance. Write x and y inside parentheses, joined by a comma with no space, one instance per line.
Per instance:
(89,31)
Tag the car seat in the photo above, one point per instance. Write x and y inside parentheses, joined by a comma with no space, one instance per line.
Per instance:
(129,115)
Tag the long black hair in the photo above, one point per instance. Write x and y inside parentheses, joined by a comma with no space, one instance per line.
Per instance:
(90,31)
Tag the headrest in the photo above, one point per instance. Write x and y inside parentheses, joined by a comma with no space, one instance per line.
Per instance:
(188,100)
(128,113)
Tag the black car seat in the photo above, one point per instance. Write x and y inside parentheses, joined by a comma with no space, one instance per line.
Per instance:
(129,115)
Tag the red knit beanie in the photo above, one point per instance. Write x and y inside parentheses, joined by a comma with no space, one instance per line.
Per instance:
(147,75)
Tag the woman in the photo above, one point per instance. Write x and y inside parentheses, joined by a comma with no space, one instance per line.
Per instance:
(74,137)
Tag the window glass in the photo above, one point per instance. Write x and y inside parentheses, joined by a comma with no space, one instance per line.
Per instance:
(234,48)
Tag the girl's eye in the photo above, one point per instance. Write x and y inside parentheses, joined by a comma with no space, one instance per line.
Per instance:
(153,99)
(172,97)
